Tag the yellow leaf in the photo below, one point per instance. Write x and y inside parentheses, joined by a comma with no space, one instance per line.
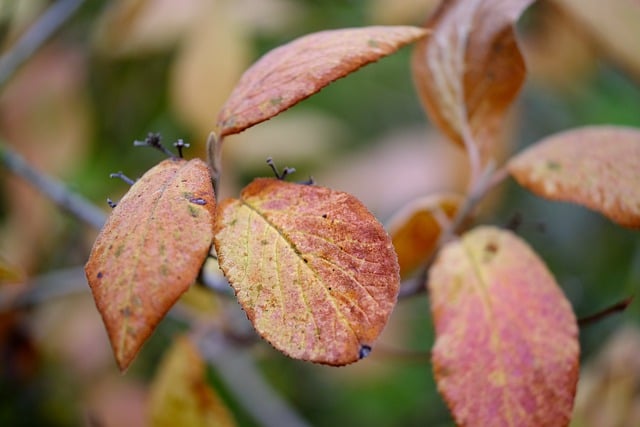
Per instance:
(312,268)
(180,394)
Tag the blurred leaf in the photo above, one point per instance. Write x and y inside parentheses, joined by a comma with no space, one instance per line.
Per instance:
(292,72)
(608,387)
(9,273)
(597,167)
(313,269)
(399,12)
(469,69)
(415,229)
(554,45)
(135,27)
(613,24)
(180,394)
(209,63)
(150,251)
(506,350)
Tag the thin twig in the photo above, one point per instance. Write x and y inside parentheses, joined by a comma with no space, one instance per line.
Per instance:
(36,36)
(73,203)
(238,371)
(615,308)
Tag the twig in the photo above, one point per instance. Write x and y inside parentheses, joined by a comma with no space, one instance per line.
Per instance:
(53,189)
(246,383)
(615,308)
(36,36)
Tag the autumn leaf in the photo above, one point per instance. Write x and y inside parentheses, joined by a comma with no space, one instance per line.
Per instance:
(180,394)
(597,167)
(469,68)
(150,251)
(297,70)
(312,268)
(506,350)
(416,228)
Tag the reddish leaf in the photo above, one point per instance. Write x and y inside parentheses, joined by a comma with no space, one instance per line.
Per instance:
(597,167)
(415,229)
(469,69)
(297,70)
(150,251)
(506,350)
(313,269)
(180,394)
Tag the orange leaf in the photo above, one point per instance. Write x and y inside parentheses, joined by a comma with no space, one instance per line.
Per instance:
(506,350)
(313,269)
(469,69)
(150,251)
(415,229)
(180,394)
(297,70)
(597,167)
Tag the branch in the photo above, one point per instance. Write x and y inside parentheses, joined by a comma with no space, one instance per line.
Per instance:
(53,189)
(246,383)
(36,36)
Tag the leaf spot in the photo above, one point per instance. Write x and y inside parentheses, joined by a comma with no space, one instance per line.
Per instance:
(324,216)
(553,166)
(365,350)
(99,275)
(198,201)
(490,251)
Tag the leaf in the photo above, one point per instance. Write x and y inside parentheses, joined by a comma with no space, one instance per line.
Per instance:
(596,166)
(292,72)
(180,394)
(415,229)
(469,68)
(150,251)
(506,350)
(312,268)
(612,25)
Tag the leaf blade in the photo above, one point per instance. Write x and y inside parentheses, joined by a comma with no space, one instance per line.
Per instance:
(314,271)
(150,251)
(506,350)
(596,166)
(469,69)
(297,70)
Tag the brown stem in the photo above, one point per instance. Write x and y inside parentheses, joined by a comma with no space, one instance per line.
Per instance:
(615,308)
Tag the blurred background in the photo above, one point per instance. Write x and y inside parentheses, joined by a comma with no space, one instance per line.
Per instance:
(117,70)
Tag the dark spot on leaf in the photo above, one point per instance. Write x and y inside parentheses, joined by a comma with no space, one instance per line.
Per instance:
(305,260)
(99,275)
(119,250)
(324,216)
(554,166)
(490,251)
(198,201)
(365,350)
(264,242)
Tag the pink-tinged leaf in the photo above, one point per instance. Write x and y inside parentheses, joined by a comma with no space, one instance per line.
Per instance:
(312,268)
(297,70)
(597,167)
(469,68)
(150,251)
(506,350)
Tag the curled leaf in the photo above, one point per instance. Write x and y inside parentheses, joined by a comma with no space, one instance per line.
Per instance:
(597,167)
(180,394)
(297,70)
(416,228)
(506,350)
(312,268)
(469,68)
(150,251)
